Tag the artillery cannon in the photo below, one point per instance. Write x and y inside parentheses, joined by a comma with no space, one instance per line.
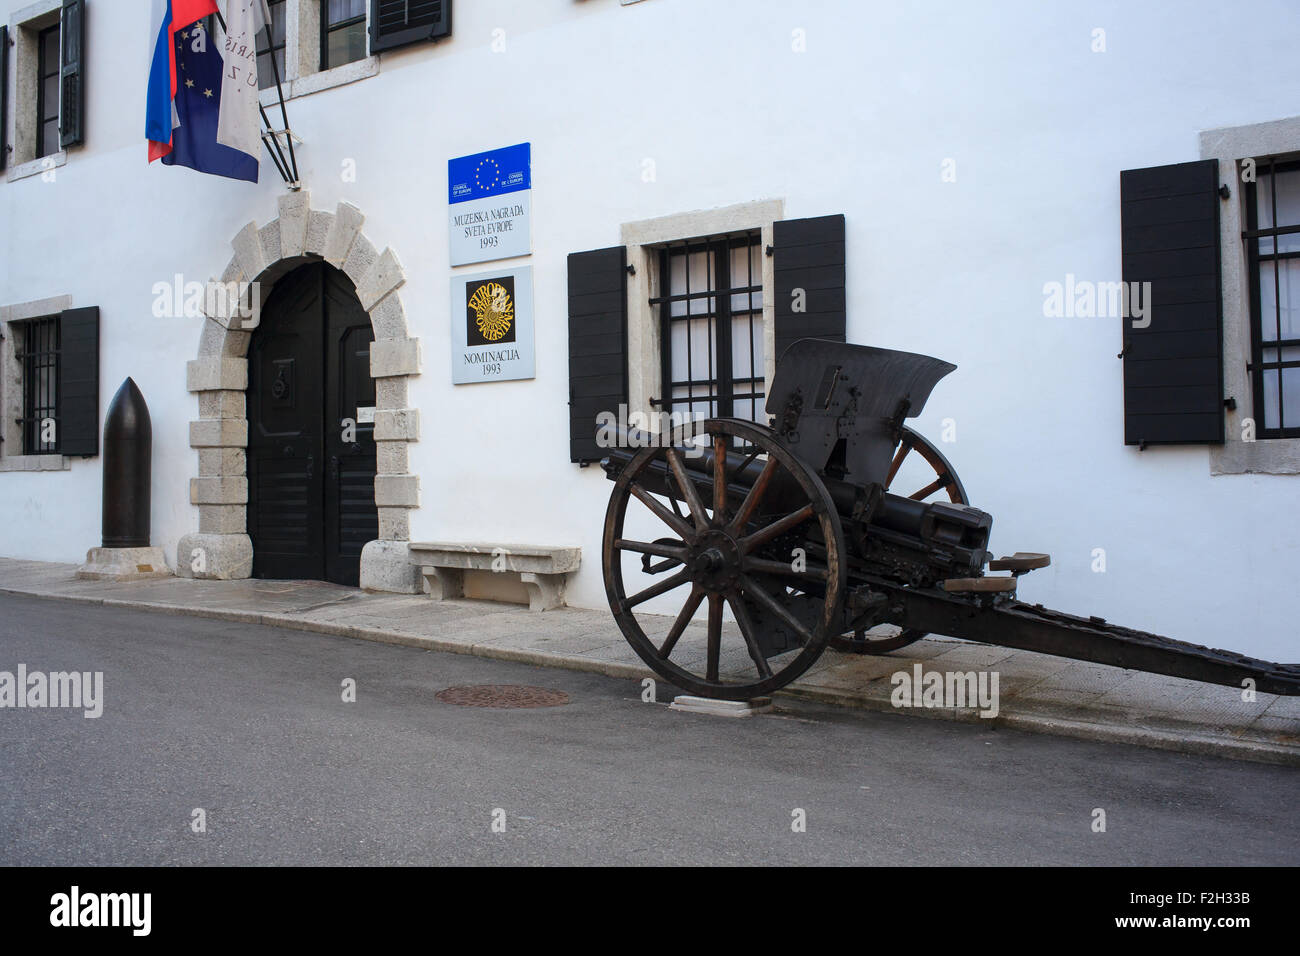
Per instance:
(794,527)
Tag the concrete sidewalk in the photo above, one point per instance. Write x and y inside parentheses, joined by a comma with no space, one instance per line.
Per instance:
(1037,692)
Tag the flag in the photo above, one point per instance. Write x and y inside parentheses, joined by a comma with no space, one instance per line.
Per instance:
(237,123)
(183,104)
(169,16)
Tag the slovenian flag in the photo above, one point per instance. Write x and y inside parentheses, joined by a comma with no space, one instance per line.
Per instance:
(188,120)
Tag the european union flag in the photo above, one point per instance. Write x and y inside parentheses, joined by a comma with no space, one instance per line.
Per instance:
(198,104)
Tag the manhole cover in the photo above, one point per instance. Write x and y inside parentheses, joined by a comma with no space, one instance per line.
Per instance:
(506,696)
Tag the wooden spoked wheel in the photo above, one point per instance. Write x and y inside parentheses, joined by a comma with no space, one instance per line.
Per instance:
(934,475)
(750,529)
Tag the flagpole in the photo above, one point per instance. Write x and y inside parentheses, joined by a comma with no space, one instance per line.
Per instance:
(277,157)
(284,116)
(284,173)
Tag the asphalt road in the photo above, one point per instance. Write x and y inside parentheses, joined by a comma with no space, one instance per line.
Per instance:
(248,723)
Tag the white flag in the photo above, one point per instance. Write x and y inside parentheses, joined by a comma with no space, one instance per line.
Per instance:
(238,124)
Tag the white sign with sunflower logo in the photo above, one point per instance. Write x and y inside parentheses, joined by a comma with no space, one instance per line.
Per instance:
(492,326)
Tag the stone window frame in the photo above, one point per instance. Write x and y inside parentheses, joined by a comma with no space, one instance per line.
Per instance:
(11,386)
(303,75)
(219,377)
(643,240)
(1229,145)
(24,25)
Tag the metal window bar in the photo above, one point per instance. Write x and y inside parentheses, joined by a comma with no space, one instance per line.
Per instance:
(721,390)
(47,70)
(39,361)
(749,302)
(1262,365)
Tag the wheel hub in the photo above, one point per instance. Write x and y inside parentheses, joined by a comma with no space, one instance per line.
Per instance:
(715,562)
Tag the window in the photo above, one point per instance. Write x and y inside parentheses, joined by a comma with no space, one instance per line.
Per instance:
(660,323)
(1273,250)
(342,32)
(265,73)
(49,402)
(320,44)
(397,23)
(44,82)
(39,358)
(711,326)
(47,91)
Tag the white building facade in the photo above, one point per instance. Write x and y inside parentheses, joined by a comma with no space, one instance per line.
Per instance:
(946,176)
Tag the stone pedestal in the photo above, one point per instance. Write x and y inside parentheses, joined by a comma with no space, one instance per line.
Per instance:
(216,557)
(124,564)
(386,566)
(722,708)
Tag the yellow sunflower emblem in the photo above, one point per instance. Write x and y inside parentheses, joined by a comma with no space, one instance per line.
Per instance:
(494,310)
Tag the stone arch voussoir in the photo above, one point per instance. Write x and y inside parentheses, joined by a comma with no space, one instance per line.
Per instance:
(221,548)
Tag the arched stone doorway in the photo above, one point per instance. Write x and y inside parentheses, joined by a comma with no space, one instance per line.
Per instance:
(311,451)
(222,548)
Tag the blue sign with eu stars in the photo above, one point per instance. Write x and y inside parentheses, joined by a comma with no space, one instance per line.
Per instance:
(489,199)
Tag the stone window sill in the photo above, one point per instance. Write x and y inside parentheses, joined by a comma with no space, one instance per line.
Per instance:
(35,463)
(37,166)
(1267,456)
(324,80)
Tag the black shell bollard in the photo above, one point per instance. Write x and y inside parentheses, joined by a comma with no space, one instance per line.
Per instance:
(128,453)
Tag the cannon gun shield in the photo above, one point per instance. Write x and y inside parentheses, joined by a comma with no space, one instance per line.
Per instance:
(841,407)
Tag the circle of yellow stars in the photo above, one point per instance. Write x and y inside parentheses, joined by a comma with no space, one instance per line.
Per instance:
(496,174)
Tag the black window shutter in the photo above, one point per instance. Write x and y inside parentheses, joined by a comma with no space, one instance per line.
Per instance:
(395,23)
(4,95)
(72,61)
(79,381)
(1173,368)
(597,344)
(809,270)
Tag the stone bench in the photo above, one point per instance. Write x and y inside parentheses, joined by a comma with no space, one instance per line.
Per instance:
(542,570)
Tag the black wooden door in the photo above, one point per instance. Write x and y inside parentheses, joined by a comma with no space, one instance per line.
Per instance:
(351,518)
(311,464)
(286,394)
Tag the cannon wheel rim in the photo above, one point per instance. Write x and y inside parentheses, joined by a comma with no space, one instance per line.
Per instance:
(945,473)
(614,546)
(909,441)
